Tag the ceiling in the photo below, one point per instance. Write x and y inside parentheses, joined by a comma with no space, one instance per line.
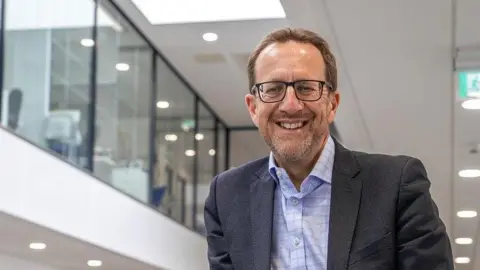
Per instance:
(396,81)
(62,252)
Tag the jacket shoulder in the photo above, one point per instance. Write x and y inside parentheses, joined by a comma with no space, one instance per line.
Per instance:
(388,171)
(390,162)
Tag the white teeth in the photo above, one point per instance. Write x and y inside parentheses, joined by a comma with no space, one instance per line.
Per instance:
(291,125)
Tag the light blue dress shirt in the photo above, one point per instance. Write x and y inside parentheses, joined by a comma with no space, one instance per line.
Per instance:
(301,218)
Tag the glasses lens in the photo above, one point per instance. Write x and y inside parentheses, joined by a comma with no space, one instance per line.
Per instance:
(308,90)
(272,91)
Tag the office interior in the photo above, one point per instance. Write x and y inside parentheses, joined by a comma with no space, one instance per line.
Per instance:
(149,102)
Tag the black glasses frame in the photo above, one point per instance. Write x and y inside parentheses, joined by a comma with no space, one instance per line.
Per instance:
(258,88)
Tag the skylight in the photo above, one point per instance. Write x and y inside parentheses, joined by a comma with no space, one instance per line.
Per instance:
(194,11)
(62,16)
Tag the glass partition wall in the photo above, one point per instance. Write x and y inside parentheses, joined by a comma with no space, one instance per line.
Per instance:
(81,81)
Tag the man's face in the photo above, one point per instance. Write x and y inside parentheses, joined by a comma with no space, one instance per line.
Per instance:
(289,62)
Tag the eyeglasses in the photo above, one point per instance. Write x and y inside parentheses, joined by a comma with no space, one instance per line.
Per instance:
(275,91)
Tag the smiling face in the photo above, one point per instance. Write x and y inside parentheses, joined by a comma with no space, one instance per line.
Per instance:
(294,129)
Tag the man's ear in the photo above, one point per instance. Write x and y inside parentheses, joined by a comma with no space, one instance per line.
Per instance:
(334,102)
(251,102)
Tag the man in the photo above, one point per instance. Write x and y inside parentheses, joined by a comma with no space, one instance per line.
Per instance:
(312,204)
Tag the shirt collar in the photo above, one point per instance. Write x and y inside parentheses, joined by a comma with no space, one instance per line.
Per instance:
(322,169)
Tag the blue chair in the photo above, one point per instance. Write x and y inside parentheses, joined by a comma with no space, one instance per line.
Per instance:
(158,194)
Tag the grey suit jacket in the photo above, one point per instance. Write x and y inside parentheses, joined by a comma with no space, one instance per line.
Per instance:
(382,216)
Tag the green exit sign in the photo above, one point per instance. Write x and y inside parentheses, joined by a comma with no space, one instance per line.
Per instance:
(469,84)
(188,124)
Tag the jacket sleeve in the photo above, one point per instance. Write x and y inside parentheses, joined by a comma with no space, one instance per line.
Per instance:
(218,256)
(422,240)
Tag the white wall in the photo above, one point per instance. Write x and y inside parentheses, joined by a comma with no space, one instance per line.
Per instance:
(11,263)
(45,190)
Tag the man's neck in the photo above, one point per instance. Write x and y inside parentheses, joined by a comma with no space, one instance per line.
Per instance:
(299,170)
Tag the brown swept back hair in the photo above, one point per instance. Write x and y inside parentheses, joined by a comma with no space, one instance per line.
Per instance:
(298,35)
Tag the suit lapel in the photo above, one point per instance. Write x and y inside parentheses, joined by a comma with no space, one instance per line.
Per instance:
(346,194)
(261,213)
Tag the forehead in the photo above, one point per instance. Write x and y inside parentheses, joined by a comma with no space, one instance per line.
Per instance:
(290,59)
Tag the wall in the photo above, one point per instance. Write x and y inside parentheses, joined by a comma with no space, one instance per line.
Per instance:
(246,146)
(47,191)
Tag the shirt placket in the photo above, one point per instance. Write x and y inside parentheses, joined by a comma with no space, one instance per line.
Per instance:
(294,206)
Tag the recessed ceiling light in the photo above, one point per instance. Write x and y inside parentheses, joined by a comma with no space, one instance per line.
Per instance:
(210,37)
(94,263)
(190,153)
(463,241)
(122,67)
(212,152)
(171,137)
(469,173)
(87,42)
(462,260)
(38,246)
(199,136)
(163,104)
(467,214)
(471,104)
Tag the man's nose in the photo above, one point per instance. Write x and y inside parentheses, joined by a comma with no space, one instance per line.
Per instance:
(291,103)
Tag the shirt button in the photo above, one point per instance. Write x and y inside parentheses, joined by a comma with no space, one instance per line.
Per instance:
(294,201)
(296,241)
(279,173)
